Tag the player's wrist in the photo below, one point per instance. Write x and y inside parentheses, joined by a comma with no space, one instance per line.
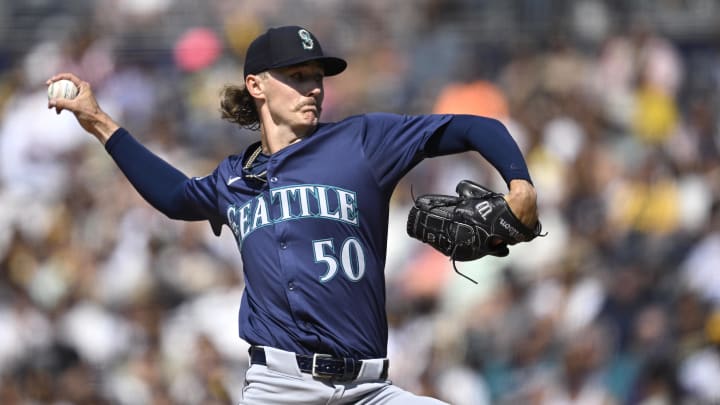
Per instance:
(522,200)
(103,127)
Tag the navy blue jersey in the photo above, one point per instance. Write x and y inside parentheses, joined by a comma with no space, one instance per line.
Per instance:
(313,238)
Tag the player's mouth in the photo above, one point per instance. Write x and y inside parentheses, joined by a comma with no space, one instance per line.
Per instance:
(310,108)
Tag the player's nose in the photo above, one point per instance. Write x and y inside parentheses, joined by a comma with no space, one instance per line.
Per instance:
(315,91)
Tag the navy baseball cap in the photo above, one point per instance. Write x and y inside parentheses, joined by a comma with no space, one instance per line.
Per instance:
(287,46)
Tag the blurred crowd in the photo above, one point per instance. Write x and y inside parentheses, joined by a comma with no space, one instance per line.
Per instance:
(614,104)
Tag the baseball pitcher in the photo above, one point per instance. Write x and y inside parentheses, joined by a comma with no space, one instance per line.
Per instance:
(308,205)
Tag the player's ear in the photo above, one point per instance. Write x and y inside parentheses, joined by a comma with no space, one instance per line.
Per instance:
(254,85)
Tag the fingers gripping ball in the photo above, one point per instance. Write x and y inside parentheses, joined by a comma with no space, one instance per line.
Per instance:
(475,223)
(62,89)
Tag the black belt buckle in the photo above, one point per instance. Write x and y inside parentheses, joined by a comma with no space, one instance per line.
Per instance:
(318,372)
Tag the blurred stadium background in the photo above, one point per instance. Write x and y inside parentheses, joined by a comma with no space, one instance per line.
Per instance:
(614,103)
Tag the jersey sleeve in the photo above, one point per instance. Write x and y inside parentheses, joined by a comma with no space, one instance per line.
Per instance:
(158,182)
(393,144)
(485,135)
(203,192)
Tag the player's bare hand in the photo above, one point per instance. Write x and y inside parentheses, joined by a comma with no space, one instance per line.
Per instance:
(522,200)
(85,108)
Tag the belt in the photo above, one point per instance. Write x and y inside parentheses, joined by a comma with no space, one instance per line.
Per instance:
(323,366)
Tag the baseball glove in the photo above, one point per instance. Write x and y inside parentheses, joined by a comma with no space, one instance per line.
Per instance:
(475,223)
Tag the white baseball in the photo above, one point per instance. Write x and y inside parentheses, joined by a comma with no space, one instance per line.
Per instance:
(62,89)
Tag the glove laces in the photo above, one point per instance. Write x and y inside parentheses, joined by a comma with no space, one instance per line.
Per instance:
(452,258)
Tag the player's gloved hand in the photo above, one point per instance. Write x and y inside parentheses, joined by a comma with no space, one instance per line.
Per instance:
(476,223)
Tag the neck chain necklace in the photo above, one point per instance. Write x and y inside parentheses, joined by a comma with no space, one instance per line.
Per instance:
(248,166)
(252,158)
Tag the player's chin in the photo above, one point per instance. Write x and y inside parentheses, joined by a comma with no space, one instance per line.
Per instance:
(306,125)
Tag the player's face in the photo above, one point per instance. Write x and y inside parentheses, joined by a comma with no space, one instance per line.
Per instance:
(295,94)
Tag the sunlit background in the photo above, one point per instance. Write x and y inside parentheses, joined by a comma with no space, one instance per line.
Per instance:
(614,103)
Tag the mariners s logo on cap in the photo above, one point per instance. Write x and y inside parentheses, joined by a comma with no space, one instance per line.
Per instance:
(307,42)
